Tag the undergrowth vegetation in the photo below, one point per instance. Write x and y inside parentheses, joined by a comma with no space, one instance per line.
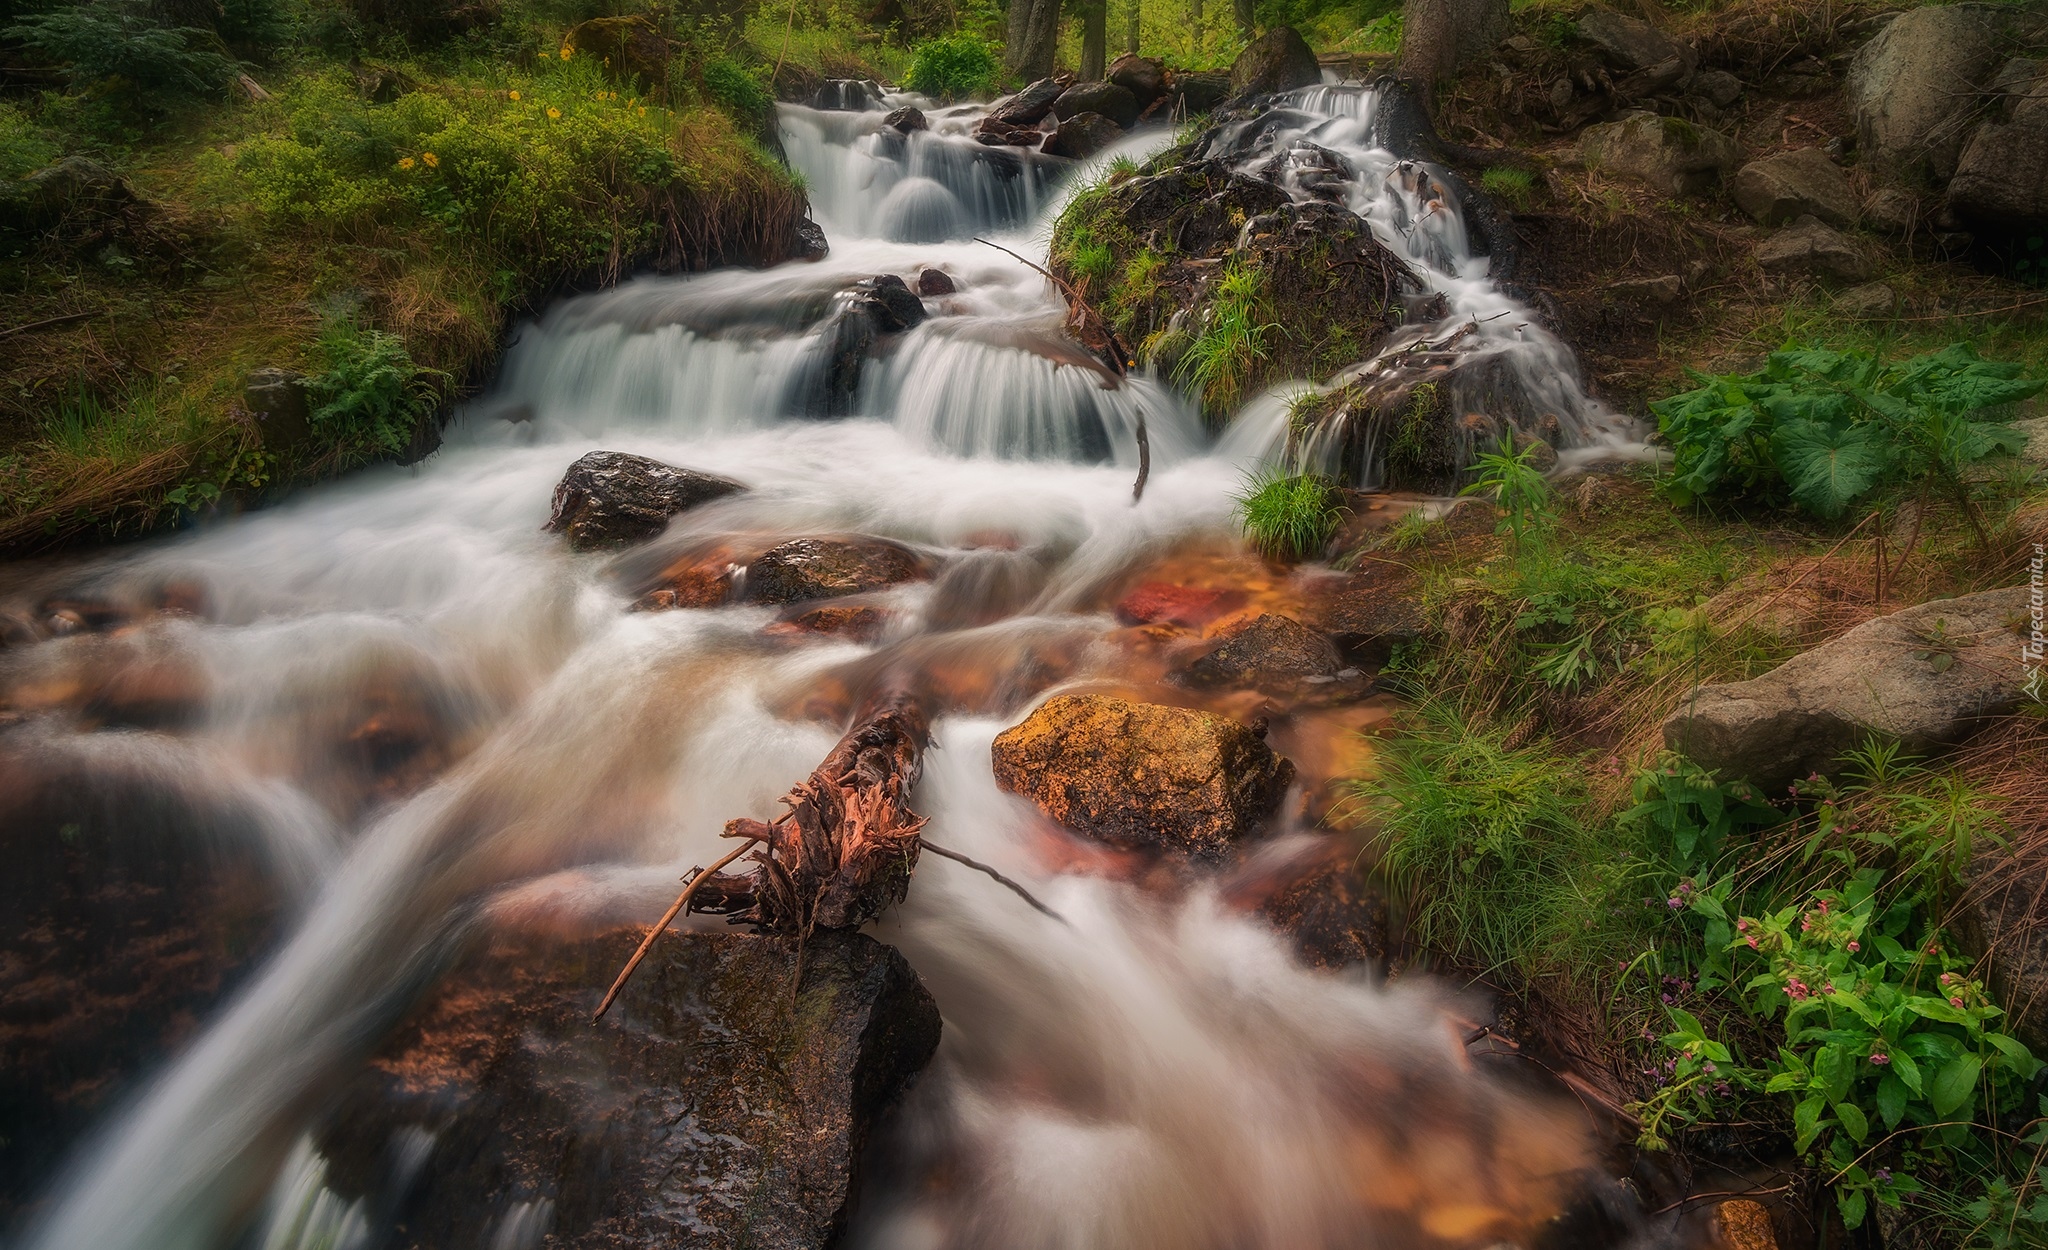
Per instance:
(1289,516)
(1777,974)
(369,216)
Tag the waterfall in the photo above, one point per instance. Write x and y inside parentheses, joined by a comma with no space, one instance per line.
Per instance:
(1161,1075)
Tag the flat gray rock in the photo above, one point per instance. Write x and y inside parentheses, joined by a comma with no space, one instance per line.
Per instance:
(1926,677)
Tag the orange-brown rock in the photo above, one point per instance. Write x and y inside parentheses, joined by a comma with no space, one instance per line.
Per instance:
(1744,1224)
(861,624)
(822,568)
(1142,775)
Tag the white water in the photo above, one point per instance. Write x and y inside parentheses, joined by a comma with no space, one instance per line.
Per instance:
(1159,1075)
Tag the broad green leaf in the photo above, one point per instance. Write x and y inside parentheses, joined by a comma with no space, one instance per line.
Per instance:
(1863,1010)
(1854,1122)
(1938,1009)
(1853,1204)
(1806,1121)
(1907,1071)
(1828,469)
(1891,1099)
(1955,1085)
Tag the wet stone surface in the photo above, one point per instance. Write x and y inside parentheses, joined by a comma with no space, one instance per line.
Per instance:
(711,1108)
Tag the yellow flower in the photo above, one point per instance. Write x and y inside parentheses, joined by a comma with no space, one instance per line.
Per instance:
(432,161)
(515,95)
(643,110)
(405,162)
(554,113)
(566,52)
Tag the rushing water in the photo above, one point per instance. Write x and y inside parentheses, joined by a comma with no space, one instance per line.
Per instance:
(1159,1073)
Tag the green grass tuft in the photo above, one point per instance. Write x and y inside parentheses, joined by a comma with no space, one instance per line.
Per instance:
(1289,516)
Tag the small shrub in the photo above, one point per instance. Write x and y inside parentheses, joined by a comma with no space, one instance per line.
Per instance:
(1831,428)
(735,89)
(1514,187)
(952,68)
(24,148)
(1520,489)
(1289,516)
(372,397)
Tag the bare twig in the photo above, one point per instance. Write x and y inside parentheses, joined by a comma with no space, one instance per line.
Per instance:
(48,322)
(978,866)
(675,909)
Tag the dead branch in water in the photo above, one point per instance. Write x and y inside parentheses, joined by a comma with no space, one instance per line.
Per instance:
(1121,359)
(843,852)
(647,944)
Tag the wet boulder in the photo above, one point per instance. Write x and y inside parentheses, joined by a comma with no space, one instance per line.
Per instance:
(847,95)
(810,243)
(932,283)
(725,1101)
(1807,247)
(1082,136)
(1926,677)
(1335,915)
(2001,181)
(613,499)
(1142,775)
(1143,76)
(1914,86)
(1269,651)
(1791,185)
(1279,60)
(630,47)
(823,568)
(857,623)
(1029,106)
(1104,99)
(889,302)
(1368,618)
(907,121)
(276,400)
(1669,153)
(135,904)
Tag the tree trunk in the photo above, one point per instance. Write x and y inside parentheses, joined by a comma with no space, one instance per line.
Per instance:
(1438,36)
(1094,39)
(1245,20)
(1136,30)
(1194,27)
(1019,20)
(1031,54)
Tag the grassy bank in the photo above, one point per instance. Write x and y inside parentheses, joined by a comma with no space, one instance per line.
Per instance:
(369,216)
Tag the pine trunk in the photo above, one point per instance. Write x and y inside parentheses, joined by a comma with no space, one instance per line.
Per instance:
(1094,40)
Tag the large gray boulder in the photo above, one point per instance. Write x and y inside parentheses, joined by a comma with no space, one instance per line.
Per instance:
(1925,677)
(1807,247)
(613,498)
(1669,153)
(1629,43)
(1104,99)
(724,1102)
(1279,60)
(1082,136)
(2001,181)
(1913,88)
(1796,184)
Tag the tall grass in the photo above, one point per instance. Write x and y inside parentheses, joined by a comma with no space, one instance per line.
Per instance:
(1289,516)
(1217,361)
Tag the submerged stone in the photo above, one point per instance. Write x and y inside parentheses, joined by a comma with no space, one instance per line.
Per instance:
(821,568)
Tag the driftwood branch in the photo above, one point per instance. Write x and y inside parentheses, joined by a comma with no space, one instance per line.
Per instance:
(675,909)
(1000,879)
(50,322)
(1121,358)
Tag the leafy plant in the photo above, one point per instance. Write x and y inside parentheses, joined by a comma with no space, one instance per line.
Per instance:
(735,89)
(24,148)
(372,397)
(1879,1033)
(952,68)
(1289,516)
(1693,811)
(1828,428)
(1520,489)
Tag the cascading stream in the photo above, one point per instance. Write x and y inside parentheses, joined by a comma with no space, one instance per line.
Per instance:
(1160,1074)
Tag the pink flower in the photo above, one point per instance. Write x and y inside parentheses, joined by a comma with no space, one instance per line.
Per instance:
(1879,1058)
(1855,946)
(1955,1002)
